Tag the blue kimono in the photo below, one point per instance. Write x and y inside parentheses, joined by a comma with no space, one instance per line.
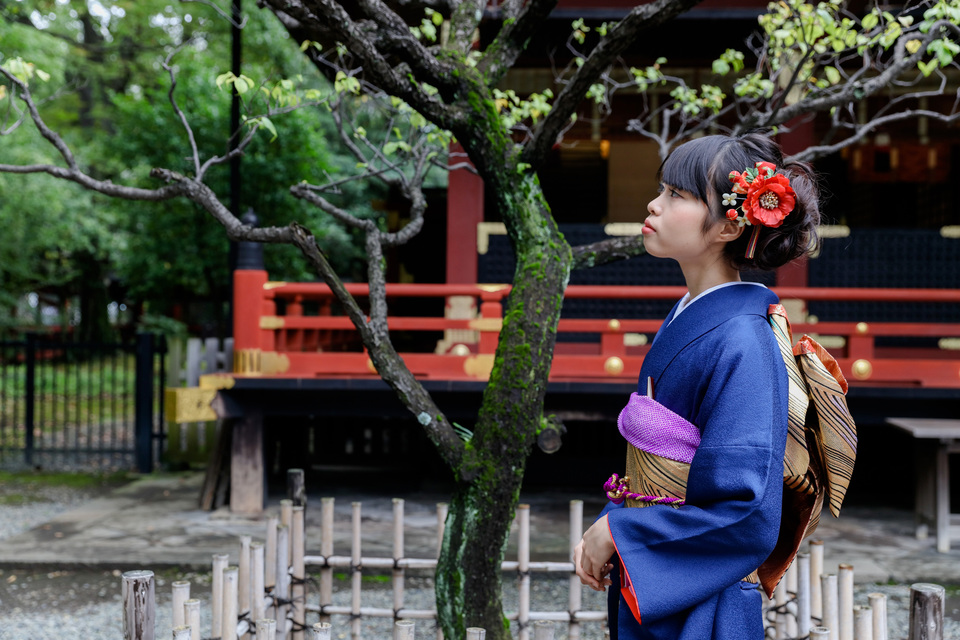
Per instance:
(718,366)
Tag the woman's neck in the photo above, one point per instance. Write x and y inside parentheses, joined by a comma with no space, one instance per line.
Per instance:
(699,280)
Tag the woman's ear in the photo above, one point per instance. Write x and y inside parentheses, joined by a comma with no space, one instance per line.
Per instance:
(730,230)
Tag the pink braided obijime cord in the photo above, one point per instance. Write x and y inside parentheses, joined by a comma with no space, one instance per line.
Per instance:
(616,490)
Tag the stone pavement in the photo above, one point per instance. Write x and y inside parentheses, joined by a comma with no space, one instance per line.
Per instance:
(154,522)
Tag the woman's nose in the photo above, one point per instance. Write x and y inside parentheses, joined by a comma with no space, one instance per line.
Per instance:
(652,207)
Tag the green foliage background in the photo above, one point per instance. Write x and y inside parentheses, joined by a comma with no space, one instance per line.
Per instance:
(152,256)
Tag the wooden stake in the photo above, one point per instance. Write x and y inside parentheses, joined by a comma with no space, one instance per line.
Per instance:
(476,633)
(181,632)
(819,633)
(926,611)
(139,605)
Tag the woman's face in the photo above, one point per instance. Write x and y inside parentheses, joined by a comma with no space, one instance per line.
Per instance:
(675,226)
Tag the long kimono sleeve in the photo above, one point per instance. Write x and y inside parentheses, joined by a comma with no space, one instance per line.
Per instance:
(731,383)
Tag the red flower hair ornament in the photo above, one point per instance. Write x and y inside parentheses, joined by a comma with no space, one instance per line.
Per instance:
(767,199)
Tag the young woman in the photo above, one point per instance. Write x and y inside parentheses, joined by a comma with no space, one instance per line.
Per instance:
(707,429)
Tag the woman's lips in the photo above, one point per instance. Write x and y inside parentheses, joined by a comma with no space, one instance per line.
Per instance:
(647,229)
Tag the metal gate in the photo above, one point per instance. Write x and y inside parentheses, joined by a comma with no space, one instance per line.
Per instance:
(70,405)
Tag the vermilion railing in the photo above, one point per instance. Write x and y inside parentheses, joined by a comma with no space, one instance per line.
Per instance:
(293,330)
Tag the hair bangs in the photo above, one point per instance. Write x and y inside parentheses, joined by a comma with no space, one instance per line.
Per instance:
(688,168)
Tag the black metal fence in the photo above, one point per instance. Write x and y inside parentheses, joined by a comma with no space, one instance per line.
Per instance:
(70,405)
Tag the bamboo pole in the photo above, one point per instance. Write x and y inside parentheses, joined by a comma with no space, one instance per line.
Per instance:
(257,588)
(296,487)
(403,630)
(442,509)
(216,596)
(523,559)
(355,560)
(831,612)
(181,632)
(243,576)
(819,633)
(282,589)
(878,603)
(845,601)
(139,602)
(780,619)
(862,623)
(180,594)
(286,516)
(299,590)
(326,549)
(321,631)
(398,544)
(793,586)
(270,553)
(804,583)
(576,593)
(816,585)
(266,629)
(926,611)
(231,582)
(543,630)
(191,610)
(476,633)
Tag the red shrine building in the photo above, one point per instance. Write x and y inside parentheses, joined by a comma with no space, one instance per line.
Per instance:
(883,294)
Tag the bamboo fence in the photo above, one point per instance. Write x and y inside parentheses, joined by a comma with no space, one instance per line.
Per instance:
(266,596)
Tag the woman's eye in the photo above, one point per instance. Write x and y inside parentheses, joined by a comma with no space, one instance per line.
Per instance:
(675,194)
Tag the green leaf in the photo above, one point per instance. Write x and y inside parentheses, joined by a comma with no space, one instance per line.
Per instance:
(832,75)
(926,68)
(869,21)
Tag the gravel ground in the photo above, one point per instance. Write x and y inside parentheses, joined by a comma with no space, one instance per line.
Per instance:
(86,604)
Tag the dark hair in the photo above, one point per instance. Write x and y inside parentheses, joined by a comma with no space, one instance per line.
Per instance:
(702,167)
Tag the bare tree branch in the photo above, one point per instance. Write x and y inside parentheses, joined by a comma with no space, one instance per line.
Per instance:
(603,55)
(902,61)
(463,24)
(402,43)
(514,34)
(606,251)
(331,17)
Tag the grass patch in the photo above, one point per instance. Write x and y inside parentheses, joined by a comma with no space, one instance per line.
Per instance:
(72,480)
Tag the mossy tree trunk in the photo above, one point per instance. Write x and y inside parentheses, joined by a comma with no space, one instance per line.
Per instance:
(489,479)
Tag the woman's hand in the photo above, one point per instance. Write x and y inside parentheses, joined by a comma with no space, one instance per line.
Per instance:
(591,557)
